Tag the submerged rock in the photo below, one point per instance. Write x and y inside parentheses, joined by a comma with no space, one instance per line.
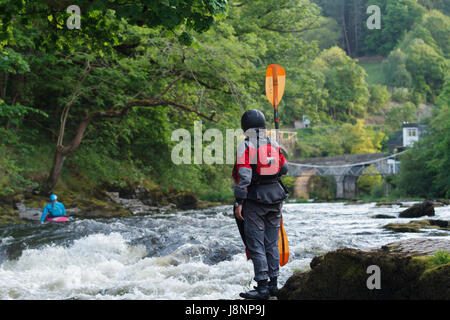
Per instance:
(407,271)
(418,210)
(357,202)
(383,216)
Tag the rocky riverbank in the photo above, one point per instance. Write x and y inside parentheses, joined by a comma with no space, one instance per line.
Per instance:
(409,269)
(103,204)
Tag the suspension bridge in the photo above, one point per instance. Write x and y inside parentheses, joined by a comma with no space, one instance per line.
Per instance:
(345,169)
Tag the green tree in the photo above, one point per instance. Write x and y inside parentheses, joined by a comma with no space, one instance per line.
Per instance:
(327,34)
(441,5)
(193,15)
(444,97)
(360,140)
(275,31)
(399,114)
(394,70)
(369,179)
(433,30)
(75,72)
(424,169)
(438,25)
(427,68)
(398,16)
(345,84)
(379,97)
(351,17)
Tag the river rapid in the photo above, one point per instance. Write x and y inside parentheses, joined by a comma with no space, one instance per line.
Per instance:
(196,254)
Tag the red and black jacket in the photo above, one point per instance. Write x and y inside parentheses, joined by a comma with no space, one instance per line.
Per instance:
(257,174)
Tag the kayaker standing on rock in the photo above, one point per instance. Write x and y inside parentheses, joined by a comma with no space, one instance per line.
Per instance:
(259,195)
(53,209)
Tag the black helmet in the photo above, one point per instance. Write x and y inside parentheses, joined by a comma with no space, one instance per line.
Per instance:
(253,119)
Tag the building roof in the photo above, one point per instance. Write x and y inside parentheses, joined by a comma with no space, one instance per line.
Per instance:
(410,125)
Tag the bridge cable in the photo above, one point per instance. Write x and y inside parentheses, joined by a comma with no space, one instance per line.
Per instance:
(347,165)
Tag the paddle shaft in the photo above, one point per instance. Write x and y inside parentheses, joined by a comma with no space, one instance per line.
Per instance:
(283,258)
(275,100)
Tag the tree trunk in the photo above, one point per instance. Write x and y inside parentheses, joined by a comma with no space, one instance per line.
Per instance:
(61,154)
(58,161)
(344,26)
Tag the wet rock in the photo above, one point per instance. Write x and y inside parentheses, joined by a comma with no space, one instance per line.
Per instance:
(149,196)
(73,211)
(137,206)
(352,203)
(206,204)
(170,206)
(437,204)
(443,202)
(32,214)
(439,223)
(407,272)
(416,226)
(114,196)
(417,247)
(9,212)
(383,216)
(142,193)
(185,200)
(148,202)
(418,210)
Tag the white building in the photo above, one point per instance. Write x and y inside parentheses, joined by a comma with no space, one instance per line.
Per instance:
(305,123)
(411,134)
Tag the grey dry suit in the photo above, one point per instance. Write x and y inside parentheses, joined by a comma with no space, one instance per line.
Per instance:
(261,193)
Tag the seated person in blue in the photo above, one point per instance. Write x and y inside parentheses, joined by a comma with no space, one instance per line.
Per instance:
(53,209)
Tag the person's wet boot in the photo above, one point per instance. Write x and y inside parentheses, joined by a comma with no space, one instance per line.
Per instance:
(273,286)
(261,292)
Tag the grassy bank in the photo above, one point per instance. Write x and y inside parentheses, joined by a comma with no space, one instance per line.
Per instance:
(374,72)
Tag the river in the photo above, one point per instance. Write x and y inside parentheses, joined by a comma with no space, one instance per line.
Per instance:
(194,254)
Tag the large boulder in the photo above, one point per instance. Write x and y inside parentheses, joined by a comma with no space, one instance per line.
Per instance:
(407,271)
(33,214)
(186,200)
(418,210)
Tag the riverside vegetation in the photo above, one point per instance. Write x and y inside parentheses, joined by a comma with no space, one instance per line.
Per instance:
(89,111)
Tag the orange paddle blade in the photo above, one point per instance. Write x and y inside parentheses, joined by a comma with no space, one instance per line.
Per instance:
(275,82)
(283,245)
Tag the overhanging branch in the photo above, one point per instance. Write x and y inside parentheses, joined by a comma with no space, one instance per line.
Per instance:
(166,102)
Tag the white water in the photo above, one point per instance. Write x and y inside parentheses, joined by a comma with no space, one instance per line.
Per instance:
(182,255)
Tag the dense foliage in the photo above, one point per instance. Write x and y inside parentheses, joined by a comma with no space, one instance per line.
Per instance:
(424,170)
(95,107)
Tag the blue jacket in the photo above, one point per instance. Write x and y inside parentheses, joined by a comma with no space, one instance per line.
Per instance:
(56,209)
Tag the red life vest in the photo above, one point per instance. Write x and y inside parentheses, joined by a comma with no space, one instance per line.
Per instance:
(265,161)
